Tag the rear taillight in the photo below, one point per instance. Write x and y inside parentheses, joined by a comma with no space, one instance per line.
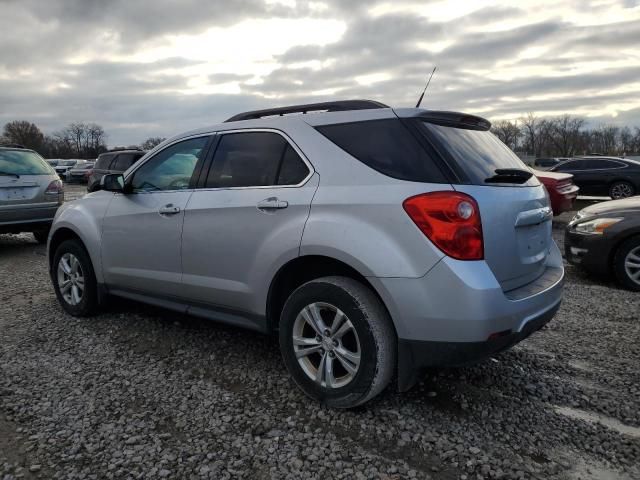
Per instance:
(451,220)
(55,188)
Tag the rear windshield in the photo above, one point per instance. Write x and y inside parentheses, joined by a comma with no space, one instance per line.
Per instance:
(67,163)
(475,154)
(19,162)
(386,146)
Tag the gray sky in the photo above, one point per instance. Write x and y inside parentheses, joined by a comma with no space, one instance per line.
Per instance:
(156,68)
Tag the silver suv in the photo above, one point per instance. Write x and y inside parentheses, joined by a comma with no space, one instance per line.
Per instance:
(30,193)
(376,241)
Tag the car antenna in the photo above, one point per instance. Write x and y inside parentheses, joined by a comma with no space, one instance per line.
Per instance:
(425,88)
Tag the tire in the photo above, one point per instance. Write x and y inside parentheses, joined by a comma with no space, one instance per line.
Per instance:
(369,334)
(88,301)
(627,255)
(41,236)
(621,190)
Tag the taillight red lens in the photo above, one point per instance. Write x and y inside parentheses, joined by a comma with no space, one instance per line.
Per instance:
(451,220)
(55,188)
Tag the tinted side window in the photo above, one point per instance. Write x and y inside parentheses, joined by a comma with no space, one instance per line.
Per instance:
(386,146)
(123,162)
(567,166)
(293,170)
(605,164)
(171,168)
(250,159)
(104,161)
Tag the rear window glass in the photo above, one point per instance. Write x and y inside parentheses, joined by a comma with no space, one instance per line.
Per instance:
(476,153)
(17,162)
(104,161)
(386,146)
(124,161)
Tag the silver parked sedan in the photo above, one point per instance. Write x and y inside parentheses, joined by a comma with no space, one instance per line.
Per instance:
(30,193)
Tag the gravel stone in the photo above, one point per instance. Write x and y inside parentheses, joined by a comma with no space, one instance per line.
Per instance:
(137,392)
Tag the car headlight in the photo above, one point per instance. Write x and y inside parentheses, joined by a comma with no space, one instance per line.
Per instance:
(597,226)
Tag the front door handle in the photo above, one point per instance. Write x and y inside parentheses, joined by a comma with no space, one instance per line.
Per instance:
(169,210)
(272,203)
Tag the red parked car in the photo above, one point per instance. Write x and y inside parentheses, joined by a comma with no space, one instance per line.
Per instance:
(561,188)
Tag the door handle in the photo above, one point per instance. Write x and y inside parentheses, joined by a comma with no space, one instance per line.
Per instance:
(272,203)
(169,210)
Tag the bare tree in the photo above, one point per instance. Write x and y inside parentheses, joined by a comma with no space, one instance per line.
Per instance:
(83,140)
(626,141)
(23,132)
(564,133)
(508,132)
(530,127)
(151,142)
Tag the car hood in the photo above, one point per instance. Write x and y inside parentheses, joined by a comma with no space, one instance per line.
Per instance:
(631,204)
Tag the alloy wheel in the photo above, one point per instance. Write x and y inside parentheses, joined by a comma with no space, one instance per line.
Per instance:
(632,265)
(326,345)
(621,190)
(70,279)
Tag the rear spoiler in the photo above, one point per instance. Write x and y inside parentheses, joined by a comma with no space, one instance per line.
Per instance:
(447,119)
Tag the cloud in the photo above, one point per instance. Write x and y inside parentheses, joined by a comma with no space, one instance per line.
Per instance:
(157,68)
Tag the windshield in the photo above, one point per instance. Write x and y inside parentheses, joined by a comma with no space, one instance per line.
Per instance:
(23,162)
(477,154)
(67,163)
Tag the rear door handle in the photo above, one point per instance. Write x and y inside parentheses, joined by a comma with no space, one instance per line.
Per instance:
(169,210)
(272,203)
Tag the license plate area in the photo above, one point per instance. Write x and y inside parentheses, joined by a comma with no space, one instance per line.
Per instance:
(533,242)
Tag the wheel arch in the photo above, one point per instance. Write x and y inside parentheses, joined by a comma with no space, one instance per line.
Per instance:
(303,269)
(631,233)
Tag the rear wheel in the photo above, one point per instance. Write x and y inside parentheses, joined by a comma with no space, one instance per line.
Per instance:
(621,190)
(337,341)
(74,279)
(626,264)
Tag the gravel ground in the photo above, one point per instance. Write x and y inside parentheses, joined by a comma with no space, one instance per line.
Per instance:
(138,392)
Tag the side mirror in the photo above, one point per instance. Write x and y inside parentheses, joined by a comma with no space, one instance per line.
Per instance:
(113,182)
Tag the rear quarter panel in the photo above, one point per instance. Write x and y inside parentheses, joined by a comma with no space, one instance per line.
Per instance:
(357,215)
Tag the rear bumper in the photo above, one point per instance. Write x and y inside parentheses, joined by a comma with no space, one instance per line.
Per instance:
(415,355)
(26,219)
(563,202)
(458,313)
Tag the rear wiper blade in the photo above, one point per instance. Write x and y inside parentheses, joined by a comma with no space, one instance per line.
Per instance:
(9,174)
(509,175)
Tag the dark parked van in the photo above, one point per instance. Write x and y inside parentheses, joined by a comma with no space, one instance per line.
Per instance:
(112,162)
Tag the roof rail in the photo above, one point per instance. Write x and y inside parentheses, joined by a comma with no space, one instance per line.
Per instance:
(11,145)
(339,106)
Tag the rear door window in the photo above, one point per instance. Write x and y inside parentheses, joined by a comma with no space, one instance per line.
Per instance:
(255,159)
(123,162)
(104,161)
(604,164)
(386,146)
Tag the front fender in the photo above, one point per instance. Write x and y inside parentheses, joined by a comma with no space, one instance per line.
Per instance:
(84,218)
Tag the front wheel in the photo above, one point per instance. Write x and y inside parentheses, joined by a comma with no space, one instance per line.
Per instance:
(337,341)
(626,264)
(620,190)
(74,279)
